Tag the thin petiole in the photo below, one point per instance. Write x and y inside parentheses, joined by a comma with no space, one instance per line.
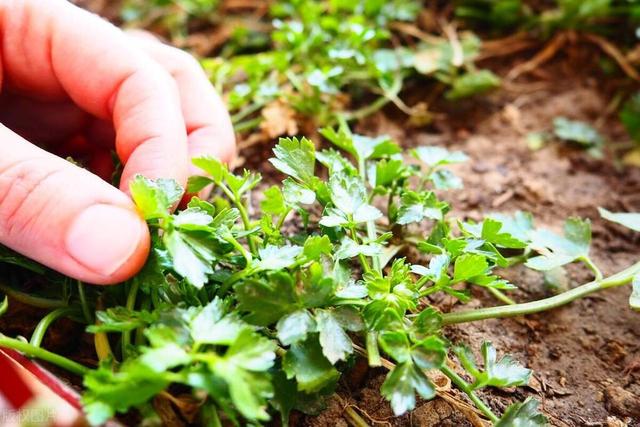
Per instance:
(597,274)
(501,296)
(247,255)
(4,305)
(130,304)
(45,322)
(42,354)
(31,300)
(86,312)
(464,386)
(373,352)
(621,278)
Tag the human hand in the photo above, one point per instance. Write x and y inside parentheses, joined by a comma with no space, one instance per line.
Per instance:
(75,85)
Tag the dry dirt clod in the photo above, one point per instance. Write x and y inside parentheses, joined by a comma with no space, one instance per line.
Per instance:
(615,422)
(622,402)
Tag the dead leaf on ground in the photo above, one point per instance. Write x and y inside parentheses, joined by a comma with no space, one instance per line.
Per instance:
(279,119)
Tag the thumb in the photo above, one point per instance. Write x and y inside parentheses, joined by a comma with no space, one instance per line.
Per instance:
(65,217)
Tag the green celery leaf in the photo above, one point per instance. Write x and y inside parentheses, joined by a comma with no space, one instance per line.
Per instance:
(212,325)
(396,344)
(243,369)
(388,171)
(444,179)
(252,352)
(108,392)
(212,166)
(154,198)
(415,207)
(520,225)
(556,251)
(295,194)
(401,385)
(267,300)
(473,83)
(629,220)
(241,184)
(579,132)
(360,146)
(273,202)
(305,362)
(468,266)
(295,157)
(434,156)
(352,289)
(192,218)
(276,258)
(164,358)
(315,246)
(192,257)
(428,322)
(493,232)
(336,344)
(197,183)
(429,353)
(505,372)
(295,327)
(630,116)
(438,266)
(318,285)
(349,196)
(335,162)
(523,414)
(121,319)
(349,249)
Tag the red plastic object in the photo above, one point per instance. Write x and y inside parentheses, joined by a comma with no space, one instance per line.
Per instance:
(14,386)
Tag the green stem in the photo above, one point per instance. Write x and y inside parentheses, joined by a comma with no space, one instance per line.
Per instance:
(130,304)
(234,278)
(464,386)
(247,255)
(4,306)
(373,351)
(83,303)
(363,260)
(243,213)
(501,296)
(246,112)
(350,301)
(282,219)
(45,322)
(597,274)
(368,110)
(247,125)
(42,354)
(430,291)
(621,278)
(372,234)
(354,418)
(32,300)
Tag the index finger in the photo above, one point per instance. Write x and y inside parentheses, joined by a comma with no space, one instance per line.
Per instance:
(53,49)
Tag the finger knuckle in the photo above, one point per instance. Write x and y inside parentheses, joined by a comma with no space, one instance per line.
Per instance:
(185,61)
(21,189)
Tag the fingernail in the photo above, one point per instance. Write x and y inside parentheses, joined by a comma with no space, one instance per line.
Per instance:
(104,237)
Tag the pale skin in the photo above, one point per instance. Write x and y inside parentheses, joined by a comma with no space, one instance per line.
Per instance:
(73,83)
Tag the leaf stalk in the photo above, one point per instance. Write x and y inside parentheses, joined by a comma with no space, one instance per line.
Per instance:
(621,278)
